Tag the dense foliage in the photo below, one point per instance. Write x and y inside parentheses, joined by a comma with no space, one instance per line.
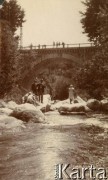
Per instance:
(95,19)
(13,13)
(61,89)
(10,58)
(94,74)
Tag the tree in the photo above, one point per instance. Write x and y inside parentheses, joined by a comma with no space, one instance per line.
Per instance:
(94,74)
(12,17)
(92,20)
(103,30)
(61,89)
(9,73)
(13,13)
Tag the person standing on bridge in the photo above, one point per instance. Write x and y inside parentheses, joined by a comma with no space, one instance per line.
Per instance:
(53,44)
(63,44)
(39,46)
(56,44)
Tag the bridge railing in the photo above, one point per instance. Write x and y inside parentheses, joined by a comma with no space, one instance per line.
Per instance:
(77,45)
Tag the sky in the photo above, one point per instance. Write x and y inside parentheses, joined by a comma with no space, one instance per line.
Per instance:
(49,21)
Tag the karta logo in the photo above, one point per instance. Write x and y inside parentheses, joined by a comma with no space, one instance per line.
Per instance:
(1,2)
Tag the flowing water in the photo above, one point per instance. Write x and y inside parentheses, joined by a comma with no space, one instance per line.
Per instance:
(33,153)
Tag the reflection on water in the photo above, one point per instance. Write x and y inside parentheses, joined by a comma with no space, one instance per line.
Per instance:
(32,154)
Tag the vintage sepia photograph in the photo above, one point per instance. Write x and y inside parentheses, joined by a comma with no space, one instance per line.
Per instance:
(53,89)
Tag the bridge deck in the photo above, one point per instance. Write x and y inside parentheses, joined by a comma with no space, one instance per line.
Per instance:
(61,46)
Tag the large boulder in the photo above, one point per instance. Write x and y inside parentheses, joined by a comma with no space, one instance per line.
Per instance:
(28,112)
(77,107)
(5,111)
(66,102)
(104,106)
(2,104)
(45,107)
(10,123)
(94,104)
(56,105)
(11,105)
(26,106)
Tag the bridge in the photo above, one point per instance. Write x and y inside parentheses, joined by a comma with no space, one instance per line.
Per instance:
(75,52)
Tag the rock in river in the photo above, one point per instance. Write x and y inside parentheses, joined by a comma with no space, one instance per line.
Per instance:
(11,105)
(2,104)
(28,112)
(79,107)
(5,111)
(94,104)
(104,105)
(10,123)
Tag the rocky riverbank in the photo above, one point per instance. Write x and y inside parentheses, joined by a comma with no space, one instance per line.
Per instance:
(14,116)
(33,152)
(32,142)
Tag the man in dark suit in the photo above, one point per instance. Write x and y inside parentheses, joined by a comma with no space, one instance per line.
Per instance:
(41,88)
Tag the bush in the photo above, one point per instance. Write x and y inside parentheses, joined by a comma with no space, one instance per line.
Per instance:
(61,89)
(93,76)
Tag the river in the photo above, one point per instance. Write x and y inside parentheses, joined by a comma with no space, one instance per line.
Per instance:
(33,153)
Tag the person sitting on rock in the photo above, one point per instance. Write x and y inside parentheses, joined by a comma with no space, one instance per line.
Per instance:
(30,98)
(25,97)
(72,94)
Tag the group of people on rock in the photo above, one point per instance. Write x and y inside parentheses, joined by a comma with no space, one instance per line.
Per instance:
(38,88)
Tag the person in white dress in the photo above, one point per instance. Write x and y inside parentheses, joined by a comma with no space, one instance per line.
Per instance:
(71,93)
